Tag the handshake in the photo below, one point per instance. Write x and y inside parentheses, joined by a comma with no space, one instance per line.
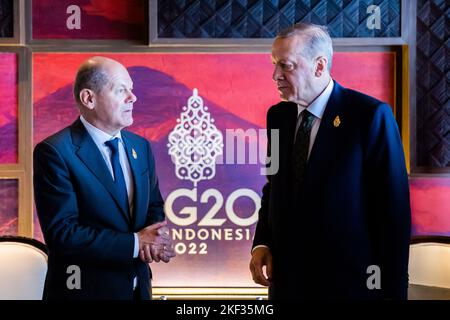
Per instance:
(155,243)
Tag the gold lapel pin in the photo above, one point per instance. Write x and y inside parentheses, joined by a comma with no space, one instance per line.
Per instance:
(134,153)
(337,121)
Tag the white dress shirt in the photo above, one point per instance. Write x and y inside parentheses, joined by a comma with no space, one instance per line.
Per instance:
(100,137)
(317,108)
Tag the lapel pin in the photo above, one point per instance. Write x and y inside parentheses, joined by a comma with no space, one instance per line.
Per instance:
(337,122)
(133,152)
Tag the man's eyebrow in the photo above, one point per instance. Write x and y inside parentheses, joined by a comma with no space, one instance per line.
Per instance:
(281,60)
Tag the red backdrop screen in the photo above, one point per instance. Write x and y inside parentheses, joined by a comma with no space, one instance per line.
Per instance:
(212,220)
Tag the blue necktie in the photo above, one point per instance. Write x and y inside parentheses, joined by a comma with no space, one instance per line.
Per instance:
(118,173)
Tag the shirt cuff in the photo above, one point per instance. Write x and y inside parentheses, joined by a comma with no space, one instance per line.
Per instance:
(136,246)
(260,246)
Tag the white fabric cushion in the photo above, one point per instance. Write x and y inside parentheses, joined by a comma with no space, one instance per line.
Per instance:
(429,264)
(22,271)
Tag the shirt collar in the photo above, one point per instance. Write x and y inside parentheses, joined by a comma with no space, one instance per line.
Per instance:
(99,136)
(317,107)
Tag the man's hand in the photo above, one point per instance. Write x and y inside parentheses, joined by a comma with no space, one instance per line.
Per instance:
(152,253)
(261,257)
(155,243)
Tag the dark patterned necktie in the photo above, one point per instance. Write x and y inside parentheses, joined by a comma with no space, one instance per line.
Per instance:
(118,173)
(301,148)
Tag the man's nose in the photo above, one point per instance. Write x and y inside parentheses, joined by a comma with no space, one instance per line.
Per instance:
(277,73)
(132,97)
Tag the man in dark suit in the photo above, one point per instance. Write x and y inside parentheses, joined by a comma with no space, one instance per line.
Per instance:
(335,219)
(97,195)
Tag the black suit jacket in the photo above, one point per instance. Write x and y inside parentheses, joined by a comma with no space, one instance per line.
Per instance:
(353,212)
(81,217)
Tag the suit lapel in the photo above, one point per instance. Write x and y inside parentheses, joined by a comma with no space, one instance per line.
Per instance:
(288,125)
(92,158)
(327,140)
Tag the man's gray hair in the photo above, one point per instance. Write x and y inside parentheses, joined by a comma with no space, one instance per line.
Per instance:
(89,76)
(317,40)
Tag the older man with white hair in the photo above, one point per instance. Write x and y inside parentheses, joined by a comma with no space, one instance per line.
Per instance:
(335,219)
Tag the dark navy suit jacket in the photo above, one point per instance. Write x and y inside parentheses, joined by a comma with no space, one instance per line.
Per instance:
(353,212)
(82,220)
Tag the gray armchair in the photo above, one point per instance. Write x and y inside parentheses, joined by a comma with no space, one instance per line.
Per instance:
(429,268)
(23,266)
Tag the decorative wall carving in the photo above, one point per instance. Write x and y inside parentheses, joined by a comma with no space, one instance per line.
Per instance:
(433,78)
(6,19)
(263,19)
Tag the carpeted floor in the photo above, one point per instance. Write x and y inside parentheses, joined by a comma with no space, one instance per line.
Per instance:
(418,292)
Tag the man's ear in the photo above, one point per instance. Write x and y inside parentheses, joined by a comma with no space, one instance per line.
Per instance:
(321,66)
(87,98)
